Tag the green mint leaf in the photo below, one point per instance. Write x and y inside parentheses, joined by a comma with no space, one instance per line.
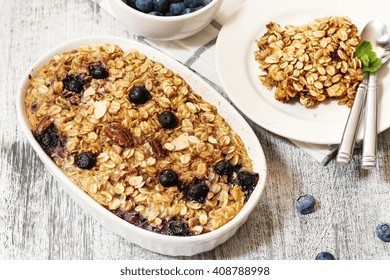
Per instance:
(374,66)
(370,62)
(363,48)
(371,55)
(365,60)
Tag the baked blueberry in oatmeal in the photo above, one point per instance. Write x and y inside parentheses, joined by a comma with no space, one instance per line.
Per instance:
(136,138)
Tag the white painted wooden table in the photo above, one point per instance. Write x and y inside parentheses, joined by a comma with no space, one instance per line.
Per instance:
(39,221)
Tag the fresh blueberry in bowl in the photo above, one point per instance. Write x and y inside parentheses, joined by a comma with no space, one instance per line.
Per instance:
(131,3)
(145,6)
(325,256)
(193,3)
(305,204)
(165,19)
(161,6)
(177,9)
(190,10)
(155,13)
(382,231)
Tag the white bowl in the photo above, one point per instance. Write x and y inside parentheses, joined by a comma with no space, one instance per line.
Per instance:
(164,28)
(169,245)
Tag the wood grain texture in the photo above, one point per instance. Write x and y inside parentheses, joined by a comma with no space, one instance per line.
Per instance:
(39,221)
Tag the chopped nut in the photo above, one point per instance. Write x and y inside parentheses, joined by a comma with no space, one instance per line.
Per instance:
(43,124)
(119,135)
(157,148)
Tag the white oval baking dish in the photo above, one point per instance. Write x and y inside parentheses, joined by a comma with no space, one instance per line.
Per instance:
(168,245)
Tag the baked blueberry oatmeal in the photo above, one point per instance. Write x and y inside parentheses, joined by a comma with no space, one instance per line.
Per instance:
(136,138)
(311,63)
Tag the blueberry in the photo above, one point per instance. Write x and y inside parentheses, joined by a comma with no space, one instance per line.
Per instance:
(139,95)
(161,6)
(155,13)
(175,1)
(131,3)
(224,167)
(383,232)
(324,256)
(168,178)
(247,179)
(73,83)
(98,71)
(206,2)
(145,6)
(167,119)
(48,139)
(188,11)
(177,8)
(86,160)
(305,204)
(169,14)
(178,228)
(196,191)
(193,3)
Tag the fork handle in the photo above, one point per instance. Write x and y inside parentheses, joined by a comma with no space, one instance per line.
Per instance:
(370,124)
(345,152)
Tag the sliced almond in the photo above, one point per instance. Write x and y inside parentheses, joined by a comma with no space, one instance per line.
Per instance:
(100,109)
(181,142)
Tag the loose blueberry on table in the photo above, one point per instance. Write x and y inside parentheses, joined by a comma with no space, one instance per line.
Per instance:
(383,232)
(167,7)
(325,256)
(305,204)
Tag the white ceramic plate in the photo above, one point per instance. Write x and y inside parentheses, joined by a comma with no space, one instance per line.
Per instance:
(169,245)
(238,70)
